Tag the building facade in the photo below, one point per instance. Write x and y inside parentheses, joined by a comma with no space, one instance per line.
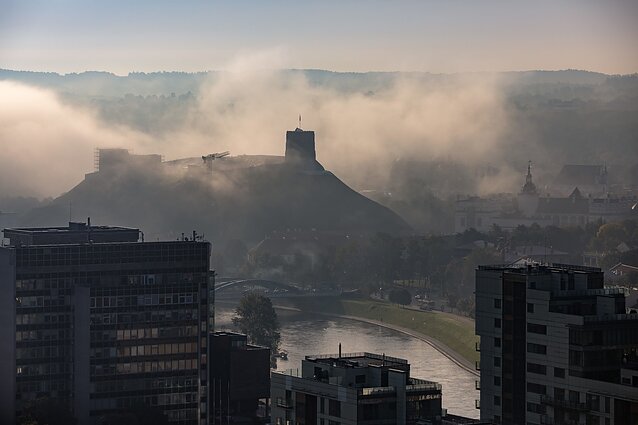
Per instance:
(239,378)
(101,322)
(557,347)
(349,389)
(529,207)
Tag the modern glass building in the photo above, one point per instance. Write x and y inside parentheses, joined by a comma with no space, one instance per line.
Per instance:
(93,318)
(557,347)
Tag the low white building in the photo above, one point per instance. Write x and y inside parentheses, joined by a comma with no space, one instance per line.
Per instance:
(529,207)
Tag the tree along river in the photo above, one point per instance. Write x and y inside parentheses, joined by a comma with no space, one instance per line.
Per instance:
(305,334)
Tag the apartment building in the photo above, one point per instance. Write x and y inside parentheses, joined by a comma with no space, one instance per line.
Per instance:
(557,347)
(99,321)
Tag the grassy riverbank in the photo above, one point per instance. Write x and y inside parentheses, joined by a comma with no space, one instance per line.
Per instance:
(455,332)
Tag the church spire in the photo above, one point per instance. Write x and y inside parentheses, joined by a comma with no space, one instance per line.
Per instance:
(529,187)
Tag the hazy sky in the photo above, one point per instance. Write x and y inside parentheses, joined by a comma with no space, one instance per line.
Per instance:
(347,35)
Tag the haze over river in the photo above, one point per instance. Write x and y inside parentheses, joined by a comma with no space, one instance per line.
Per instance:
(305,334)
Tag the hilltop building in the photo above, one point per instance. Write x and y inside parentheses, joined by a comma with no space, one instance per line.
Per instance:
(300,150)
(359,388)
(557,347)
(96,320)
(530,207)
(109,160)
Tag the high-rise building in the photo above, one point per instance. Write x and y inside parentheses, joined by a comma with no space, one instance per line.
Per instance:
(359,388)
(557,347)
(239,378)
(101,322)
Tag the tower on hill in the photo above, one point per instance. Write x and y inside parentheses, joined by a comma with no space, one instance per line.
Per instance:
(300,145)
(300,150)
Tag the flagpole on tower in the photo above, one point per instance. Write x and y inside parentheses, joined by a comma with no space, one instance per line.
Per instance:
(300,121)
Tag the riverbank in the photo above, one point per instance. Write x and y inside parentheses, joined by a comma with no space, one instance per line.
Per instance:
(452,336)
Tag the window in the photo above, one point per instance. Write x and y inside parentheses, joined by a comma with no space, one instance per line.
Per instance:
(497,303)
(536,348)
(497,381)
(536,408)
(536,388)
(497,323)
(370,412)
(574,396)
(592,420)
(559,372)
(360,379)
(497,361)
(334,408)
(530,307)
(536,328)
(536,368)
(322,405)
(497,342)
(497,419)
(593,402)
(497,400)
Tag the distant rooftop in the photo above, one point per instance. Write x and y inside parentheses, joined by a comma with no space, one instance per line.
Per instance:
(354,360)
(535,268)
(575,174)
(76,232)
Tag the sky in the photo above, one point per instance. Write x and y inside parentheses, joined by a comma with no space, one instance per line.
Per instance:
(347,35)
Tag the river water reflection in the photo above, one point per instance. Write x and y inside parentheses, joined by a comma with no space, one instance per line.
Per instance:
(305,334)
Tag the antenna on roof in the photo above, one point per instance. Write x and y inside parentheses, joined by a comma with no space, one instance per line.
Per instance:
(299,121)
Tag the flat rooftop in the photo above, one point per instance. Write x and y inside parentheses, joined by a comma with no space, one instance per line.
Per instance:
(540,268)
(354,360)
(74,233)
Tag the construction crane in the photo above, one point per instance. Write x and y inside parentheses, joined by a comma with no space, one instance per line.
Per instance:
(208,159)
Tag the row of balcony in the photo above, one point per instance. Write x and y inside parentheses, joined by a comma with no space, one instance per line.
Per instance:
(567,404)
(548,420)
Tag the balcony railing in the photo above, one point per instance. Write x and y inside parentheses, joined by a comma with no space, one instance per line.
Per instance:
(372,391)
(477,365)
(290,372)
(416,384)
(363,354)
(477,404)
(477,346)
(548,420)
(284,404)
(610,317)
(567,404)
(477,384)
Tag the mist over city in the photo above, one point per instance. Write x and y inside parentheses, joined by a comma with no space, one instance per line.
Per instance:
(319,213)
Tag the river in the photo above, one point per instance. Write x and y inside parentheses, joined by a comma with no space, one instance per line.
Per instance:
(306,334)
